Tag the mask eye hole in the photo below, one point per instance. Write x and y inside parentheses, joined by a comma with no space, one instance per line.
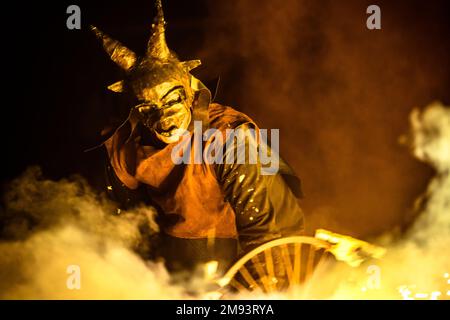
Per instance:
(145,108)
(172,102)
(174,98)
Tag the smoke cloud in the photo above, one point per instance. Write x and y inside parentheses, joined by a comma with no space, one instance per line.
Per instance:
(416,265)
(339,93)
(48,226)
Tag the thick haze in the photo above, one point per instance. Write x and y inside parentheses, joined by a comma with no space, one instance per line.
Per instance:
(340,95)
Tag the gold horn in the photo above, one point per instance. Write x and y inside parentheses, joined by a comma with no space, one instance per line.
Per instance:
(157,47)
(121,55)
(191,64)
(117,87)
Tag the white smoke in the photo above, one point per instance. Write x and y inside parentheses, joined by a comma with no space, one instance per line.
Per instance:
(49,226)
(417,264)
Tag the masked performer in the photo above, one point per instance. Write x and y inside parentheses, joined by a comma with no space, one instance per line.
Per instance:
(206,211)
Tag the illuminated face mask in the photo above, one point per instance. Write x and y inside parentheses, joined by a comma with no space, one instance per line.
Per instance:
(166,111)
(165,96)
(159,81)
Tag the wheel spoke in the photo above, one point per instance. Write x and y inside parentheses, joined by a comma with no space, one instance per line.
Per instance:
(238,286)
(297,263)
(248,277)
(270,268)
(262,275)
(287,263)
(310,261)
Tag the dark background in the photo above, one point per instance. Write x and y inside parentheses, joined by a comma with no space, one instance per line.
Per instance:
(340,94)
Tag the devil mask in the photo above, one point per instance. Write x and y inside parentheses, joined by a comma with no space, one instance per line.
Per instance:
(161,83)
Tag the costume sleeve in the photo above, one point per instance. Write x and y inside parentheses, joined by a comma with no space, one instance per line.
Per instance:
(264,205)
(120,155)
(124,197)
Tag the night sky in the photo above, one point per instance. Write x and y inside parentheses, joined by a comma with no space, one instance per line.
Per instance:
(339,93)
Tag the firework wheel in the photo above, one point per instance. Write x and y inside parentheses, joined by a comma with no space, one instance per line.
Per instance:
(277,265)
